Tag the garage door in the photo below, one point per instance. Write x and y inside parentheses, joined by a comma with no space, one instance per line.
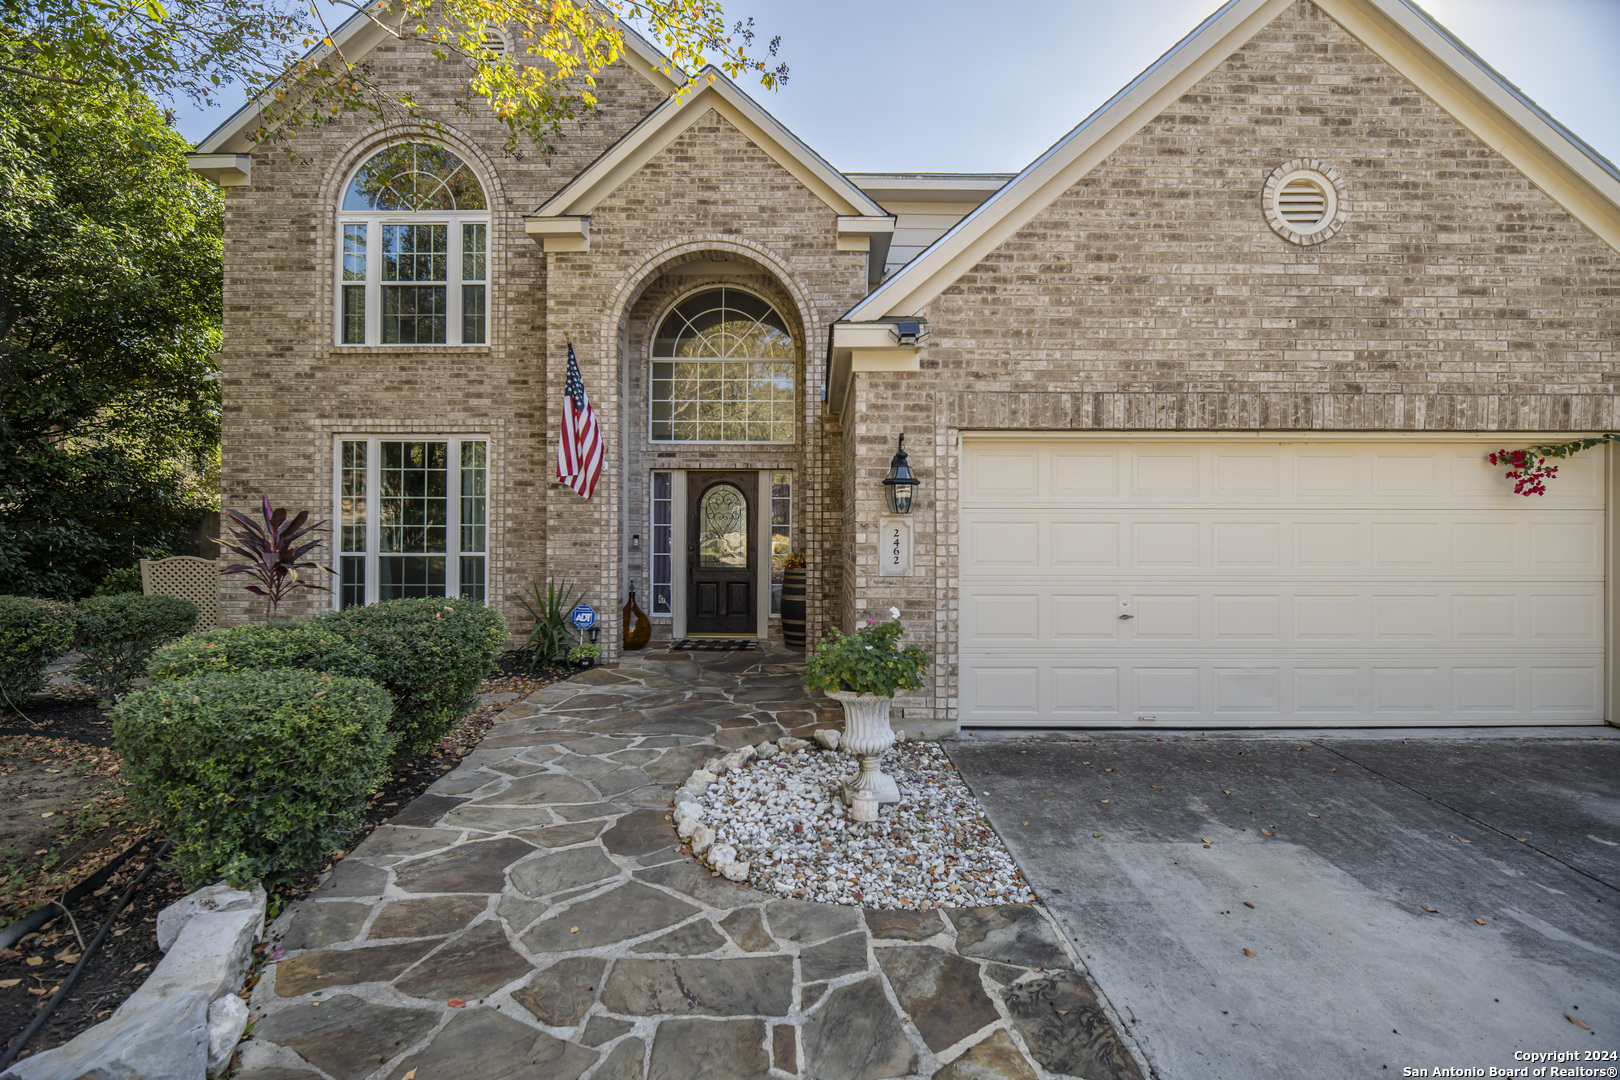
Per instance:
(1236,582)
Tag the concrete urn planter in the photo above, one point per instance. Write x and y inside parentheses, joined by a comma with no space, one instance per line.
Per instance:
(866,735)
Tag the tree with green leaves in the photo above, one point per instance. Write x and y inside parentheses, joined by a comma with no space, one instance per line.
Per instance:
(285,56)
(110,286)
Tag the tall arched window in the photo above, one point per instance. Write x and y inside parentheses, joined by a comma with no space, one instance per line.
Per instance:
(723,366)
(414,233)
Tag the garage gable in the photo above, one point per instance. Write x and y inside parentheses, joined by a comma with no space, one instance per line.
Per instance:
(1398,33)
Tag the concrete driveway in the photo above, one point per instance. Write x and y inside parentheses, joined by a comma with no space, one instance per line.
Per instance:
(1346,904)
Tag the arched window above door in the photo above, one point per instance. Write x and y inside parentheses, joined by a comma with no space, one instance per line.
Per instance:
(724,369)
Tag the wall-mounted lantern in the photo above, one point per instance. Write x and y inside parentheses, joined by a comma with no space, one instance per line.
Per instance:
(899,487)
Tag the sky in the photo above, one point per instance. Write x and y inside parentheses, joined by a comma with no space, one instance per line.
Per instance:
(976,86)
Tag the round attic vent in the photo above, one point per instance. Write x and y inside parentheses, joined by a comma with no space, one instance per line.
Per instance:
(1304,201)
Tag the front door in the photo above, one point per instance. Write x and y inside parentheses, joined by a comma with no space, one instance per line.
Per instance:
(721,568)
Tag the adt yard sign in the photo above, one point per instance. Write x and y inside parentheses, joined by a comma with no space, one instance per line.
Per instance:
(583,617)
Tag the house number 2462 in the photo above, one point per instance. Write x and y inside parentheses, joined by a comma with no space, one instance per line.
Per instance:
(895,550)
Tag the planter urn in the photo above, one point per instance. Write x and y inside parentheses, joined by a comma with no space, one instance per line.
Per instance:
(867,735)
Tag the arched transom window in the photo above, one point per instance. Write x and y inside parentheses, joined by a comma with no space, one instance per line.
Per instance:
(414,235)
(723,365)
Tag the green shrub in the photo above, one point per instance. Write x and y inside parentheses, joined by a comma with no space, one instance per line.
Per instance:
(117,635)
(259,646)
(255,774)
(430,654)
(118,582)
(32,634)
(869,661)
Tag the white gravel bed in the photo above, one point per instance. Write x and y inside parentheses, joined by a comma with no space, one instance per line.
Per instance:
(779,823)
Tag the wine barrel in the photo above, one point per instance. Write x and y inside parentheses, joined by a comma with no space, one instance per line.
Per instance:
(793,593)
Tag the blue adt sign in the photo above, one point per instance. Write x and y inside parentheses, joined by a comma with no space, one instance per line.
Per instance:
(583,617)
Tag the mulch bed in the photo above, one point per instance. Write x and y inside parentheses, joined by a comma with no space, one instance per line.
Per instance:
(33,968)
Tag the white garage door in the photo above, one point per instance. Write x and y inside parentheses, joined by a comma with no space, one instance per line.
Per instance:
(1204,583)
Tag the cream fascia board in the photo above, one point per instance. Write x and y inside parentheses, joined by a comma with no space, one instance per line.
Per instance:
(359,34)
(858,233)
(857,347)
(226,170)
(1457,80)
(559,233)
(710,90)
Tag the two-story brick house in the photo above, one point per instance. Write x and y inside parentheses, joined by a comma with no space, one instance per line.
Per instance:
(1200,400)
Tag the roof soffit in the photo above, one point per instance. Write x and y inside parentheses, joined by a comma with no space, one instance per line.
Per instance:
(674,117)
(1458,81)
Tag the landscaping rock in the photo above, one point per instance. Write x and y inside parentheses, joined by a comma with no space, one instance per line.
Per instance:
(210,954)
(215,898)
(563,992)
(166,1039)
(702,840)
(827,738)
(709,1049)
(940,991)
(1066,1029)
(996,1058)
(749,986)
(227,1019)
(855,1035)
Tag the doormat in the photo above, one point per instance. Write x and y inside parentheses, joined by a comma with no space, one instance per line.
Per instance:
(710,644)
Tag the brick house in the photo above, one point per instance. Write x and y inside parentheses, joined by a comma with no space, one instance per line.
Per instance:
(1200,399)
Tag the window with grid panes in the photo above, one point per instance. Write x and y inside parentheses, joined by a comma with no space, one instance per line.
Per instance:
(663,541)
(781,533)
(412,518)
(723,370)
(414,235)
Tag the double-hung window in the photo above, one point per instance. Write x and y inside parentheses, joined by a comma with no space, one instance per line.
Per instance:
(414,237)
(413,517)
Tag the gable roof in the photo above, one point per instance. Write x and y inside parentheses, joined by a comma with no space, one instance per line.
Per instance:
(358,35)
(1398,31)
(709,90)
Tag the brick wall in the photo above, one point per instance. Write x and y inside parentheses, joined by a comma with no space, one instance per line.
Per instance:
(288,390)
(1153,295)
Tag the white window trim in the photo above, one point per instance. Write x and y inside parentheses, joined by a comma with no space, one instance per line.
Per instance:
(652,543)
(452,543)
(374,220)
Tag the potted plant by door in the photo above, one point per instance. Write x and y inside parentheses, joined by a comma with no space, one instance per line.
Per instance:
(862,672)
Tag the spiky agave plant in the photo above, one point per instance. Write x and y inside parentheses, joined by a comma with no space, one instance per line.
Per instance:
(273,553)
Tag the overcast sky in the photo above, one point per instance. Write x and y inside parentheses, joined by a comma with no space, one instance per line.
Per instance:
(976,86)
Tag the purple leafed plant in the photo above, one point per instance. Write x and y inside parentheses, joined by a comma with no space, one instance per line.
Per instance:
(273,551)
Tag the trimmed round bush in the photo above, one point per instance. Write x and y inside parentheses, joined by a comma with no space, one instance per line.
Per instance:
(32,634)
(429,653)
(260,646)
(118,634)
(256,775)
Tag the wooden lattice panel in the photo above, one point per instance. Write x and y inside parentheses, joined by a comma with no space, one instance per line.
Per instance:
(188,578)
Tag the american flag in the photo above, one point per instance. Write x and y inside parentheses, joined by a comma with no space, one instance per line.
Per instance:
(579,458)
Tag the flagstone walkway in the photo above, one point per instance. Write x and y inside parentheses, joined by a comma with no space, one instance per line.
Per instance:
(531,916)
